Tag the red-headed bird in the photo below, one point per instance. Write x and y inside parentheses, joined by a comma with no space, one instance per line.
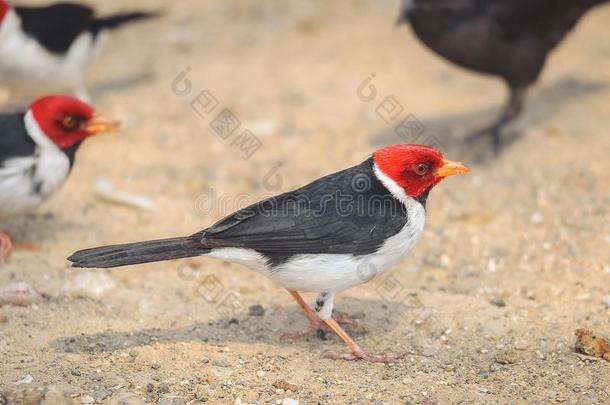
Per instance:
(37,149)
(330,235)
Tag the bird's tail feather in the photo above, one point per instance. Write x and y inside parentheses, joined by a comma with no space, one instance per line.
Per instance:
(137,253)
(116,20)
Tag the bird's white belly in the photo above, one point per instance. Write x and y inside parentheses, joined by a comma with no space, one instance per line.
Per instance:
(16,191)
(332,272)
(25,182)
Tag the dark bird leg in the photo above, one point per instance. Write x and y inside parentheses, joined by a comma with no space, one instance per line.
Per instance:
(316,325)
(511,111)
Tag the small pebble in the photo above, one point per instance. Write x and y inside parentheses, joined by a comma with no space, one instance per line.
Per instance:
(256,310)
(155,366)
(498,302)
(507,357)
(260,373)
(163,388)
(87,399)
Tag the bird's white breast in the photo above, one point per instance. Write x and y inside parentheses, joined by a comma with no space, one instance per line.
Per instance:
(25,182)
(334,272)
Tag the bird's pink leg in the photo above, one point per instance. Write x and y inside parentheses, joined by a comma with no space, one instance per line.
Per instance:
(356,351)
(6,246)
(315,323)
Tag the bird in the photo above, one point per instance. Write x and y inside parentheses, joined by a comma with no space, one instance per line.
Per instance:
(332,234)
(510,39)
(54,44)
(37,152)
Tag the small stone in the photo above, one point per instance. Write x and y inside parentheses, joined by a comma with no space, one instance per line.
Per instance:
(205,360)
(507,357)
(133,353)
(27,379)
(18,294)
(89,284)
(163,388)
(256,310)
(260,373)
(498,302)
(221,362)
(289,401)
(87,399)
(284,385)
(101,395)
(536,218)
(155,366)
(233,321)
(606,300)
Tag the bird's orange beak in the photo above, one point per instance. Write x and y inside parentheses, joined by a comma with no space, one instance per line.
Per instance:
(450,168)
(99,125)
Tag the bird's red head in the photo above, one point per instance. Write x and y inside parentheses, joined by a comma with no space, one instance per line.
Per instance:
(4,7)
(415,168)
(66,120)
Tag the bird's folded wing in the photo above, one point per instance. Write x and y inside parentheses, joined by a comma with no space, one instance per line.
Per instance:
(313,219)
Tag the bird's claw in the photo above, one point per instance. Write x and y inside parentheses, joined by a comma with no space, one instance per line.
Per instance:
(321,329)
(360,355)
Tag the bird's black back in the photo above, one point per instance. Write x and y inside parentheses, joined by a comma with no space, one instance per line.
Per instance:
(509,38)
(347,212)
(57,26)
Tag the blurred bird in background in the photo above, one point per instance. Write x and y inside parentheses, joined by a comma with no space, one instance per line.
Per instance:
(54,44)
(507,38)
(310,239)
(37,149)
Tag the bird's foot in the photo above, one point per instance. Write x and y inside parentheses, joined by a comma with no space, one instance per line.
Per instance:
(7,246)
(321,329)
(362,355)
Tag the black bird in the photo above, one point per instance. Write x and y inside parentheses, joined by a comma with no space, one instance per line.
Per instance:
(37,150)
(54,43)
(507,38)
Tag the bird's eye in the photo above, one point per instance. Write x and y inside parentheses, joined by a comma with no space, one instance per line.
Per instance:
(421,169)
(70,123)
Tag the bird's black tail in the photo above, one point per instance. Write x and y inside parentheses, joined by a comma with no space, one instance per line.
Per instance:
(116,20)
(136,253)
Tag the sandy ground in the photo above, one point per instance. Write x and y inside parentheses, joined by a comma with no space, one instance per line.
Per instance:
(515,256)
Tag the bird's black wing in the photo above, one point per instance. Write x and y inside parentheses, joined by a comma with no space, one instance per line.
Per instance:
(346,212)
(56,26)
(14,140)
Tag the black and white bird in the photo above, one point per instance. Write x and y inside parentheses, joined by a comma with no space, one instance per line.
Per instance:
(54,44)
(37,149)
(330,235)
(506,38)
